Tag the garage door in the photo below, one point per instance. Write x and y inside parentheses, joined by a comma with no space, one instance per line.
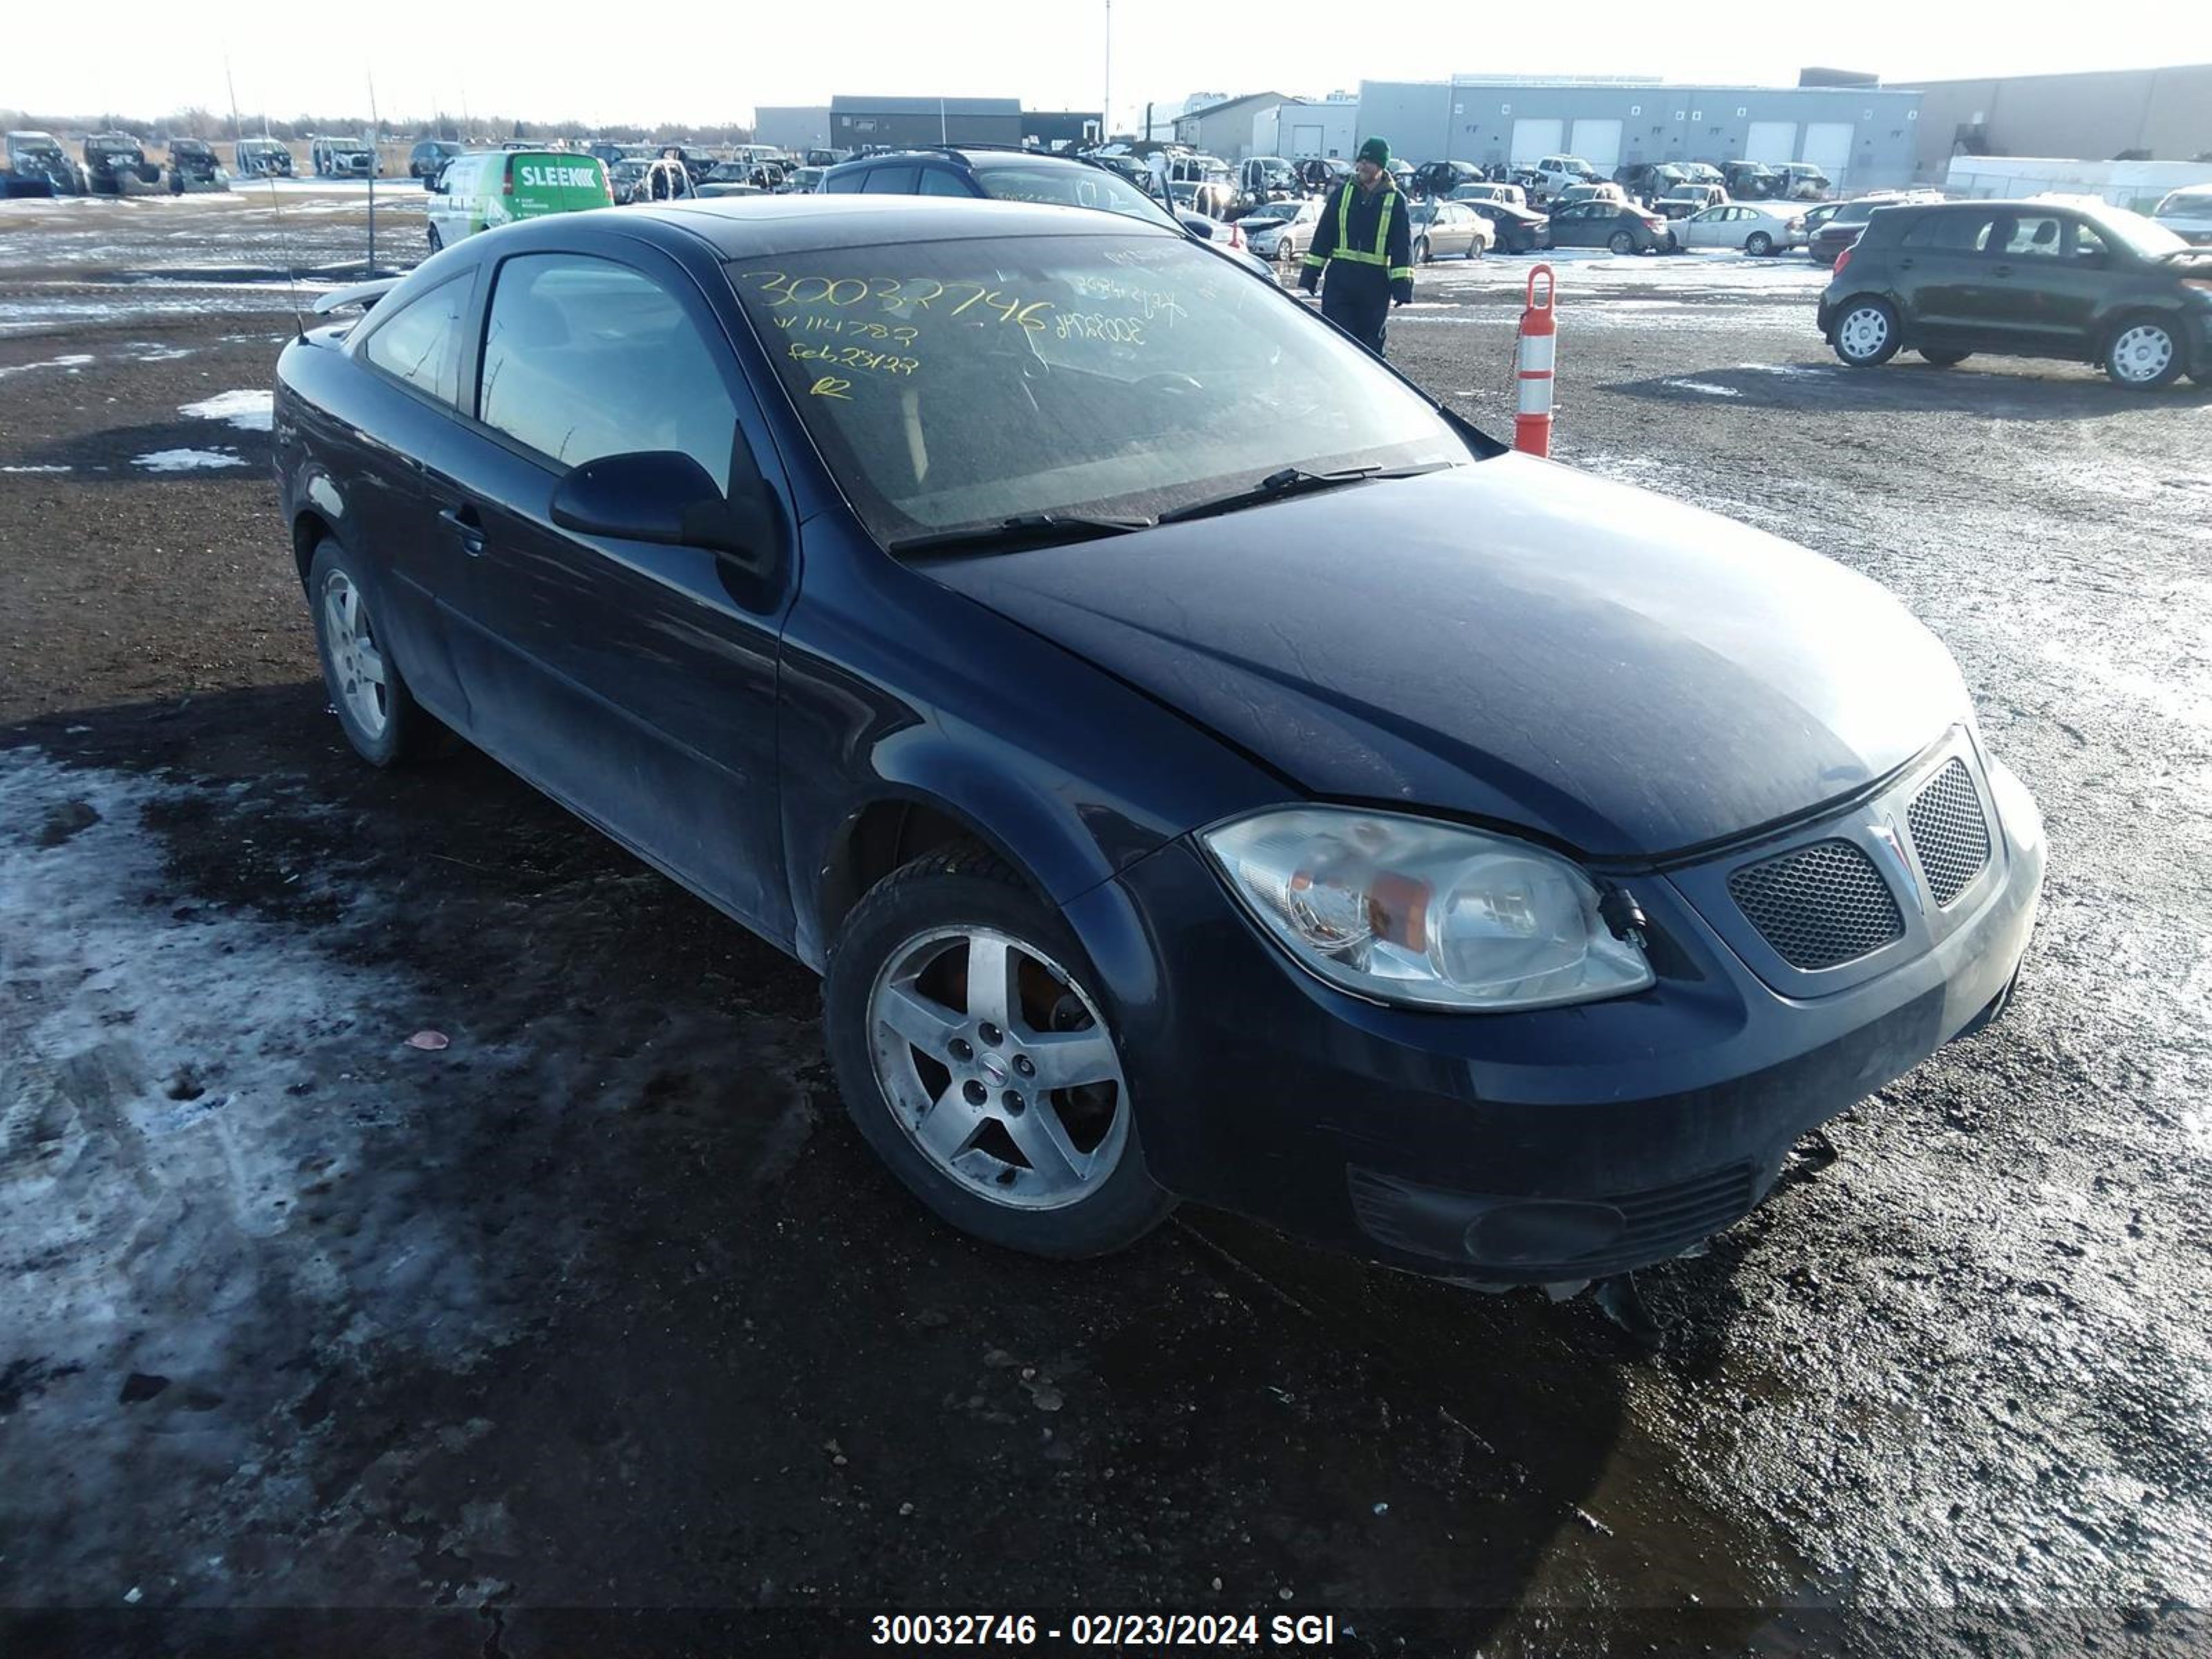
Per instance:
(1771,142)
(1534,140)
(1828,146)
(1305,141)
(1597,143)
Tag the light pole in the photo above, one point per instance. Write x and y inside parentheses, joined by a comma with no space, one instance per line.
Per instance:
(1106,113)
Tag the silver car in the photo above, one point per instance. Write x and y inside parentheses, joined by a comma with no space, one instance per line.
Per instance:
(1282,230)
(1448,229)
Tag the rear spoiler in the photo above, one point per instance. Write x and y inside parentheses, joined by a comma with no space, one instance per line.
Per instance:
(363,295)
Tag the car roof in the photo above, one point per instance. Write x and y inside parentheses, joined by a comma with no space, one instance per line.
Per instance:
(754,226)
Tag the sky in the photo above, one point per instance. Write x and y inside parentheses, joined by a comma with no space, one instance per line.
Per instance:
(558,59)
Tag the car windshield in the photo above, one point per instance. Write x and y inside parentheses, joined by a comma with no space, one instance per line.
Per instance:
(41,147)
(958,384)
(1073,185)
(2138,234)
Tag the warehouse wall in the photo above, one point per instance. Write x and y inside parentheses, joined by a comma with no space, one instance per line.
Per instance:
(2092,117)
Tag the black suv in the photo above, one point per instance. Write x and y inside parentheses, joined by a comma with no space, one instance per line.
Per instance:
(2024,279)
(1024,176)
(427,159)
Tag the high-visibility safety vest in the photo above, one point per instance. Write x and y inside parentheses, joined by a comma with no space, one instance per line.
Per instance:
(1344,250)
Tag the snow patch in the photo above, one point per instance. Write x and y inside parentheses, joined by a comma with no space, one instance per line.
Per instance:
(34,469)
(187,460)
(1705,388)
(246,409)
(74,361)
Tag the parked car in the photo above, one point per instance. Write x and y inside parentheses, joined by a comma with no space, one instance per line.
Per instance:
(500,187)
(1758,230)
(36,158)
(1647,181)
(261,158)
(1842,227)
(1603,191)
(825,158)
(1444,230)
(1120,871)
(428,158)
(1019,175)
(1262,180)
(1818,214)
(115,164)
(2023,279)
(1284,230)
(1517,229)
(2187,213)
(1684,200)
(342,158)
(1488,191)
(1211,187)
(194,166)
(1750,181)
(1555,172)
(1323,173)
(1443,178)
(1612,225)
(1801,182)
(801,181)
(1702,173)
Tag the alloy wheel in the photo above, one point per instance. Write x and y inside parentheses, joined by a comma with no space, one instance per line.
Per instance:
(356,658)
(1000,1067)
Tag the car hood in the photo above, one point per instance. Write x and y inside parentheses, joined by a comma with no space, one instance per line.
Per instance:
(1513,640)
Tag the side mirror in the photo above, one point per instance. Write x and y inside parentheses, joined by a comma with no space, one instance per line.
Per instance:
(660,495)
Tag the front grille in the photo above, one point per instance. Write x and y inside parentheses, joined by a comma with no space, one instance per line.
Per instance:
(1949,832)
(1664,1221)
(1818,906)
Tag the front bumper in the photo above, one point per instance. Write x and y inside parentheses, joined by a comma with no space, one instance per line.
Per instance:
(1557,1144)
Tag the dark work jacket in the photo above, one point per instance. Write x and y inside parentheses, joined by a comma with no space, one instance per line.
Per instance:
(1345,241)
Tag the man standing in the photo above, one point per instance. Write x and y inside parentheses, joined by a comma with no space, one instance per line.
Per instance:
(1364,241)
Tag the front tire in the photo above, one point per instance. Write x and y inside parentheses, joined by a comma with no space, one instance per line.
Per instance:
(380,716)
(1866,337)
(437,241)
(1421,252)
(2143,354)
(980,1063)
(1621,242)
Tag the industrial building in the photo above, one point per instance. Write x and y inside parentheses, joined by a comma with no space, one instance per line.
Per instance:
(1225,129)
(2159,115)
(854,122)
(1305,129)
(1864,137)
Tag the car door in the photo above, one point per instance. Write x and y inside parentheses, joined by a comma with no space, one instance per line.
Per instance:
(1574,226)
(2012,288)
(1937,270)
(635,681)
(1709,228)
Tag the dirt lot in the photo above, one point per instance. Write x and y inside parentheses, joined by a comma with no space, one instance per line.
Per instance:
(604,1307)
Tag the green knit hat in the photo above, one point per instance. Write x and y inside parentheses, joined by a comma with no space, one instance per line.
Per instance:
(1376,151)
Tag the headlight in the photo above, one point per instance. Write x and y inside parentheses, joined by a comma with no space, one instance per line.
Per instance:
(1406,910)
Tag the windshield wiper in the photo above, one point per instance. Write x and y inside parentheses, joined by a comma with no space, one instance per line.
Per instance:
(1023,530)
(1292,480)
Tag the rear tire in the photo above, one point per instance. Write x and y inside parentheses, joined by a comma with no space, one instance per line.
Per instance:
(1759,245)
(380,716)
(2143,354)
(1052,1172)
(1621,242)
(1943,359)
(1866,337)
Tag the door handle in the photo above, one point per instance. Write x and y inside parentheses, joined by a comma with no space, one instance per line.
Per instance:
(1904,264)
(467,528)
(2004,270)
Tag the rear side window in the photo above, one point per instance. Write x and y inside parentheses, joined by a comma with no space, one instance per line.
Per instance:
(583,358)
(893,181)
(936,181)
(2026,236)
(1948,232)
(844,184)
(419,345)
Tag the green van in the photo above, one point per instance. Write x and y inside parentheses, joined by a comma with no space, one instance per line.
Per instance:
(479,191)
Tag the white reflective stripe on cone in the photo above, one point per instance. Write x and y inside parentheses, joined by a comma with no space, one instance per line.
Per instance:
(1535,397)
(1537,351)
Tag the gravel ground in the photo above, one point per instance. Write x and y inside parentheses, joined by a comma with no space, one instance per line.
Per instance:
(603,1306)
